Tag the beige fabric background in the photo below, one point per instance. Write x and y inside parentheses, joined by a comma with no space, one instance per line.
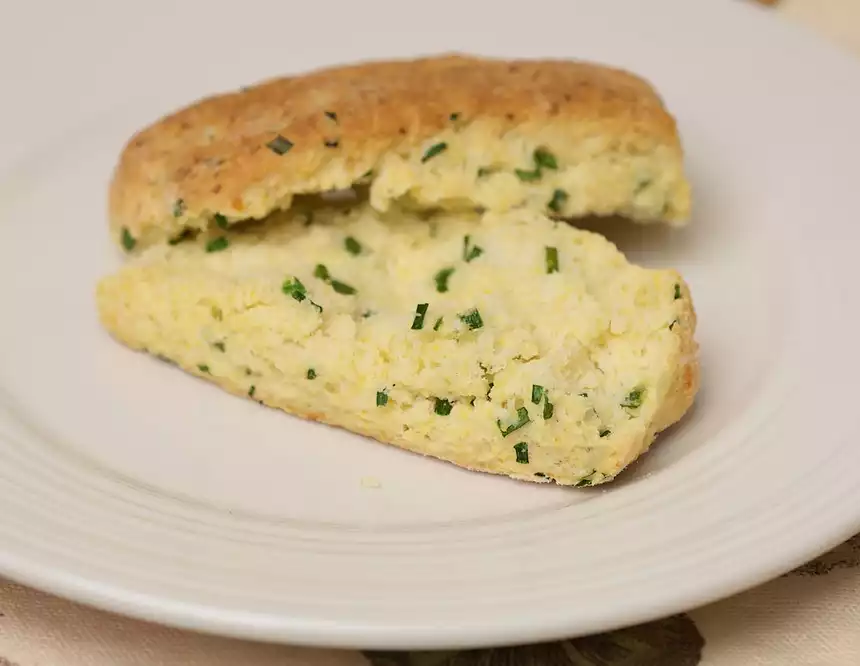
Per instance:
(810,617)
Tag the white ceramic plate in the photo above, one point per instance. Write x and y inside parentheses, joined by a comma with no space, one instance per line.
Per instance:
(128,485)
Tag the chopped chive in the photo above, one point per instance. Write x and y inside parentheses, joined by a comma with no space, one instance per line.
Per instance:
(294,287)
(434,150)
(633,400)
(537,394)
(420,311)
(333,143)
(527,176)
(221,221)
(559,197)
(203,368)
(279,145)
(472,318)
(438,324)
(322,273)
(642,185)
(381,398)
(522,419)
(442,407)
(471,251)
(583,395)
(672,325)
(178,207)
(551,254)
(352,246)
(217,244)
(441,279)
(484,171)
(367,313)
(183,235)
(331,114)
(311,374)
(605,432)
(342,287)
(220,346)
(544,159)
(367,175)
(216,312)
(454,116)
(540,475)
(548,409)
(522,453)
(128,241)
(584,481)
(248,372)
(677,291)
(252,391)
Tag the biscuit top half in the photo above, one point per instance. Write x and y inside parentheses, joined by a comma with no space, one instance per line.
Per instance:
(450,132)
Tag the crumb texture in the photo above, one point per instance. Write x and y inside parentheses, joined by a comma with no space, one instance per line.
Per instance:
(505,343)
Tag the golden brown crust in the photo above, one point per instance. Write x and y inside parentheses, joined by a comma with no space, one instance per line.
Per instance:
(212,157)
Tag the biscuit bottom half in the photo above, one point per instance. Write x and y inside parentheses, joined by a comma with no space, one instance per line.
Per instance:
(503,343)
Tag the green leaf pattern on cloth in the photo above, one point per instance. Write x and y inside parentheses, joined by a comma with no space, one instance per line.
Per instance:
(674,641)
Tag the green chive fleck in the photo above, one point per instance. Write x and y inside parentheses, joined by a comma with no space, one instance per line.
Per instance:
(454,116)
(252,391)
(217,244)
(221,221)
(203,368)
(472,319)
(527,176)
(442,407)
(322,273)
(381,398)
(420,311)
(294,287)
(331,114)
(438,324)
(342,288)
(216,312)
(545,159)
(584,482)
(312,374)
(551,260)
(522,419)
(178,208)
(537,394)
(548,409)
(633,400)
(484,171)
(605,432)
(279,145)
(128,241)
(352,246)
(522,452)
(434,150)
(441,279)
(220,346)
(677,291)
(559,197)
(471,251)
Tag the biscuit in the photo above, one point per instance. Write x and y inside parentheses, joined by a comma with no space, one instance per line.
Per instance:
(506,343)
(564,138)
